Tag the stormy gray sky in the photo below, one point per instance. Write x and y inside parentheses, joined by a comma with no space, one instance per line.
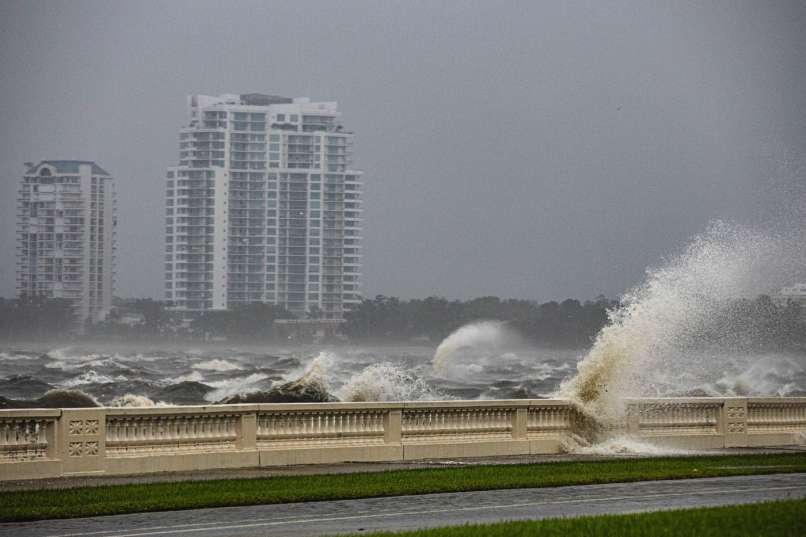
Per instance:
(523,149)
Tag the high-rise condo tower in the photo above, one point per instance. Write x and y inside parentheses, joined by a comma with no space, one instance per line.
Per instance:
(263,207)
(66,236)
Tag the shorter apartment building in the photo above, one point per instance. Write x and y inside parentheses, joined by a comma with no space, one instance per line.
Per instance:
(66,219)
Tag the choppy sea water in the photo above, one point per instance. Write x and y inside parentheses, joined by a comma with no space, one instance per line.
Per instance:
(143,375)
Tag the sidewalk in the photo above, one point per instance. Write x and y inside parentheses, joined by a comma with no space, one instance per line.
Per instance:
(343,468)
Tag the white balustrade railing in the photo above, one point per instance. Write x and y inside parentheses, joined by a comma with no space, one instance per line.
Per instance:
(49,443)
(773,415)
(459,422)
(675,416)
(134,435)
(551,420)
(336,426)
(26,437)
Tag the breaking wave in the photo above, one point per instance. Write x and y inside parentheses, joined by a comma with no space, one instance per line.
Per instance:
(92,377)
(476,340)
(131,400)
(652,343)
(387,382)
(217,365)
(236,386)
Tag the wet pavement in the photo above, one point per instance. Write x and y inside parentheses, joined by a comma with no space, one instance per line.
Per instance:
(430,510)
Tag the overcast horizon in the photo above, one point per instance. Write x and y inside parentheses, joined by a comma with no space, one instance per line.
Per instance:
(523,150)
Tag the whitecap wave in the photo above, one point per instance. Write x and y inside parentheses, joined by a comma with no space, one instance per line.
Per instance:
(131,400)
(91,377)
(217,365)
(193,376)
(387,382)
(236,386)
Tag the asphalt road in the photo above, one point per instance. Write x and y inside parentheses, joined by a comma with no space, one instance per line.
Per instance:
(411,512)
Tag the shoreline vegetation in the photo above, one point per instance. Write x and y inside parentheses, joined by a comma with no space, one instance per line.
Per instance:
(766,324)
(133,498)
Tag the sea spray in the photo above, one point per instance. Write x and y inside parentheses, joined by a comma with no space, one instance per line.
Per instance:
(479,339)
(387,382)
(130,400)
(645,341)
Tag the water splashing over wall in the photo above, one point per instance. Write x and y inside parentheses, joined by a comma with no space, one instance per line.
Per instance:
(649,337)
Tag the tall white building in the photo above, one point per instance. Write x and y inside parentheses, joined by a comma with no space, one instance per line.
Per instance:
(263,207)
(66,235)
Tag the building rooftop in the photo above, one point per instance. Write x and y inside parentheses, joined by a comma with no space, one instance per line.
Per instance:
(68,166)
(260,99)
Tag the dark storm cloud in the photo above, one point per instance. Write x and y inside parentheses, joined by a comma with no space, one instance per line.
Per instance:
(525,149)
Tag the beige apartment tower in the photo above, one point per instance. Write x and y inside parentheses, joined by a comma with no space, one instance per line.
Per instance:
(66,223)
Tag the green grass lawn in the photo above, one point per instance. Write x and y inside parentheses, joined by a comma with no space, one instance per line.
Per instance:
(116,499)
(773,519)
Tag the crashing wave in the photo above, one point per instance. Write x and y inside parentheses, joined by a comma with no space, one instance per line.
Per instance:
(646,349)
(477,341)
(387,382)
(92,377)
(131,400)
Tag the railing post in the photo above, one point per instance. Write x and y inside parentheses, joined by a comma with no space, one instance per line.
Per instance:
(633,418)
(734,422)
(82,441)
(393,426)
(519,423)
(247,431)
(52,438)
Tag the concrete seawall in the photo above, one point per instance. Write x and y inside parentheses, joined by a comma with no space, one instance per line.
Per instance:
(44,443)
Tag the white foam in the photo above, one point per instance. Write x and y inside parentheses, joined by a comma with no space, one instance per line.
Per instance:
(471,345)
(387,382)
(91,377)
(217,365)
(645,350)
(131,400)
(234,386)
(193,376)
(626,445)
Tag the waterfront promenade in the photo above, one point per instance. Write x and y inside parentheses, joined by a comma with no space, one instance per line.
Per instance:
(423,511)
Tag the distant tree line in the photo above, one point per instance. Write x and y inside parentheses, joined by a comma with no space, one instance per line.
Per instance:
(749,324)
(135,318)
(566,323)
(759,323)
(35,317)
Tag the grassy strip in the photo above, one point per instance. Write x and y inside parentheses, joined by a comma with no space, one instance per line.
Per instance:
(772,519)
(116,499)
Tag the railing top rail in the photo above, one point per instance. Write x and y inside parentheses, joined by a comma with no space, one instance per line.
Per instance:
(493,403)
(678,400)
(765,400)
(279,407)
(414,405)
(174,410)
(31,413)
(749,399)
